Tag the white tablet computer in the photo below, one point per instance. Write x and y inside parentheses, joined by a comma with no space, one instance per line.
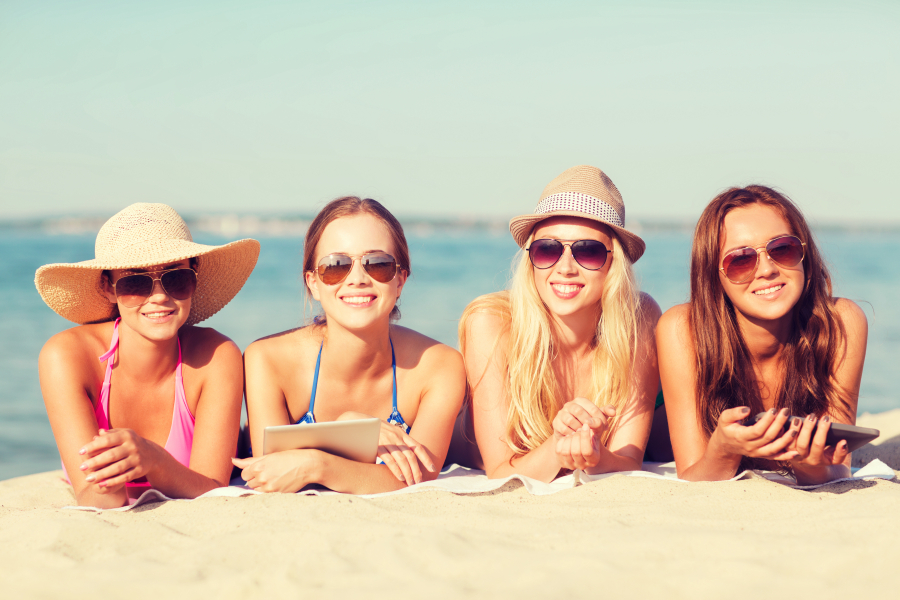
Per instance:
(355,440)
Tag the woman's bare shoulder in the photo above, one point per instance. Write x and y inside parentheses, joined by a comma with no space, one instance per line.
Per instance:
(487,317)
(674,323)
(421,348)
(204,346)
(649,308)
(852,315)
(290,341)
(80,343)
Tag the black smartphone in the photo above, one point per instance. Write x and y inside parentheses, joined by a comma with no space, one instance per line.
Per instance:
(856,437)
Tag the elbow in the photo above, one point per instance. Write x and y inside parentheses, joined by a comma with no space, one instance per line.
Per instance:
(429,475)
(101,501)
(493,473)
(217,483)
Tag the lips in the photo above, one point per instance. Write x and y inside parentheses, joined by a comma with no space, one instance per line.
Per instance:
(359,301)
(158,316)
(566,291)
(769,290)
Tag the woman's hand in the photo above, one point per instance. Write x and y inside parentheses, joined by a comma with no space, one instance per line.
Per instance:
(116,457)
(287,471)
(398,451)
(810,447)
(402,454)
(580,450)
(580,412)
(763,439)
(578,428)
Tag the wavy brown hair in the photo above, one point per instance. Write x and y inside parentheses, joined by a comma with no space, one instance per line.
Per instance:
(725,374)
(350,206)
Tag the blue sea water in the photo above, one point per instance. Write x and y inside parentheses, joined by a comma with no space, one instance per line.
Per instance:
(449,270)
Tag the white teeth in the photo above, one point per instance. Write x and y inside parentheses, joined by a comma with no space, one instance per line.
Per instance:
(566,289)
(770,290)
(357,299)
(156,315)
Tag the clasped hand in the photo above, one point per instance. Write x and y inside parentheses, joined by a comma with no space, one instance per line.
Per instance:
(398,451)
(288,471)
(115,457)
(578,429)
(768,439)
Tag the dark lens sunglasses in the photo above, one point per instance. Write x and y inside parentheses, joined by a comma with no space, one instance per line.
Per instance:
(740,265)
(590,254)
(334,268)
(135,290)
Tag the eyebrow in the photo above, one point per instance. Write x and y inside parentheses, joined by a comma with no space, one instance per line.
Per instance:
(559,239)
(165,268)
(361,254)
(727,251)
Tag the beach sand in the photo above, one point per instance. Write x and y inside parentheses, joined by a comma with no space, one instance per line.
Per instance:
(617,537)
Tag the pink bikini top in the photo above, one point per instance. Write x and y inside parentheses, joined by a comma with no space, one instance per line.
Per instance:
(181,433)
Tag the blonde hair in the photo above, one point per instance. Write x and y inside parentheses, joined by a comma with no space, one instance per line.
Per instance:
(531,387)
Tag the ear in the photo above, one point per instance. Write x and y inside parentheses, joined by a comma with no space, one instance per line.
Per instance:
(107,289)
(402,275)
(312,283)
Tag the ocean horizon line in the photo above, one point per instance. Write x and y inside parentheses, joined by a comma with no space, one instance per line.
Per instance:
(295,224)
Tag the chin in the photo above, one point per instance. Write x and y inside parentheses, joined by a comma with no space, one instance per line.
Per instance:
(356,321)
(157,331)
(561,308)
(770,313)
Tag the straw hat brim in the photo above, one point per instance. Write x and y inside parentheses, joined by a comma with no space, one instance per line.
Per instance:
(73,290)
(521,227)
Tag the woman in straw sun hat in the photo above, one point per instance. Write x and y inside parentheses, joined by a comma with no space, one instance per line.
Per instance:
(171,418)
(562,367)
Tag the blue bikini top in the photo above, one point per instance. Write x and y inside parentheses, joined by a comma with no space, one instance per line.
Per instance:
(395,419)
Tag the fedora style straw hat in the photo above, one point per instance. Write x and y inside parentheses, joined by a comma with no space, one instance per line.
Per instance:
(586,192)
(141,236)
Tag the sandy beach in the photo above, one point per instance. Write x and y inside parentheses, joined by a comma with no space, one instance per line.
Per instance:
(618,537)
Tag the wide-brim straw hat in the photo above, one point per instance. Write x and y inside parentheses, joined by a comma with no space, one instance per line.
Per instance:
(586,192)
(144,235)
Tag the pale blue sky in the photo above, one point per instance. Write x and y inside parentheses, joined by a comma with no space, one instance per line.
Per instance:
(446,108)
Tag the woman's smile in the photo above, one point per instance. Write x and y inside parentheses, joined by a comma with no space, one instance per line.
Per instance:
(566,291)
(359,300)
(158,316)
(770,291)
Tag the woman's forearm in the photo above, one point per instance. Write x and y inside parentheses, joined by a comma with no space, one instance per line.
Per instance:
(177,481)
(90,496)
(615,463)
(714,465)
(817,475)
(352,477)
(541,464)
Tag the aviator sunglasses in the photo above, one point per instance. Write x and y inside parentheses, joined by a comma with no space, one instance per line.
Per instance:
(334,268)
(590,254)
(135,290)
(740,265)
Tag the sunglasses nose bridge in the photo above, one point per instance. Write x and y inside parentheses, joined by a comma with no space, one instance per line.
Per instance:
(357,272)
(566,262)
(158,287)
(764,262)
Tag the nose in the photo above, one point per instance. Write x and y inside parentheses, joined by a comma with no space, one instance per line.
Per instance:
(566,263)
(158,289)
(357,274)
(766,265)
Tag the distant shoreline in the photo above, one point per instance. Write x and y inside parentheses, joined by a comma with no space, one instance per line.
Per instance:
(295,225)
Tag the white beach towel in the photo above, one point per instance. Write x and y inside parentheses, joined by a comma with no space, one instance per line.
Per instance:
(460,480)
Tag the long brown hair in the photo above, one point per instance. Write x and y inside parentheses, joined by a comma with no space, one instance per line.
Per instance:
(349,206)
(725,373)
